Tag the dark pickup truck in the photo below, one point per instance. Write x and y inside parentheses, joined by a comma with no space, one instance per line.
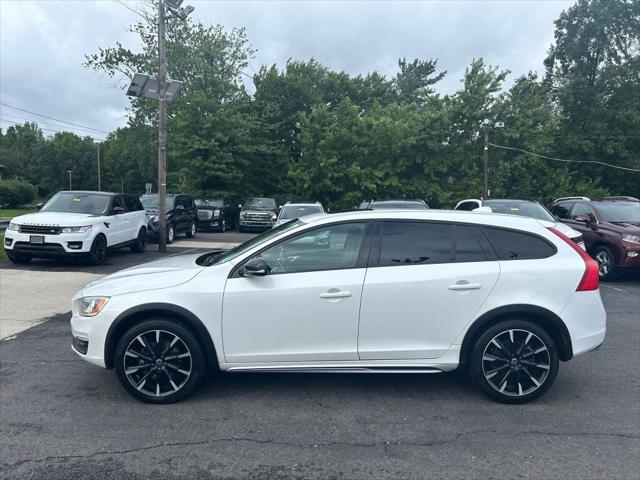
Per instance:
(258,213)
(216,214)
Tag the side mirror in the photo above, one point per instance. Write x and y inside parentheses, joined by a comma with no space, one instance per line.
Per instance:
(239,205)
(39,206)
(584,218)
(117,210)
(255,267)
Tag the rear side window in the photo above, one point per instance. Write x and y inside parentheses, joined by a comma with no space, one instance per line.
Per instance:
(561,210)
(468,246)
(415,243)
(514,245)
(467,206)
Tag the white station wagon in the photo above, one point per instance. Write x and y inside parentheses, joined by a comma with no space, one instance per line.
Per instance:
(369,291)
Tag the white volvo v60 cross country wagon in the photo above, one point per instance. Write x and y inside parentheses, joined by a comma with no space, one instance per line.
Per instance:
(368,291)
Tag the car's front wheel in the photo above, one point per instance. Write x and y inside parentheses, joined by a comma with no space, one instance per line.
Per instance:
(18,259)
(606,263)
(514,361)
(98,252)
(159,361)
(191,233)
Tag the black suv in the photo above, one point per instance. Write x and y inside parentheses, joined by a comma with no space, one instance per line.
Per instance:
(216,214)
(180,213)
(610,227)
(258,213)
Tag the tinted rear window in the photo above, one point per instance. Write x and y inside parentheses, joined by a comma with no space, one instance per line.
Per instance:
(512,245)
(468,246)
(415,243)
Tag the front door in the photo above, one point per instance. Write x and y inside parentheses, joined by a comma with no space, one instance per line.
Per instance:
(424,286)
(118,224)
(307,307)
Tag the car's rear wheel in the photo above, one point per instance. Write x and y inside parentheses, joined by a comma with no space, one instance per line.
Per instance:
(98,252)
(191,233)
(514,361)
(606,263)
(141,242)
(18,259)
(159,361)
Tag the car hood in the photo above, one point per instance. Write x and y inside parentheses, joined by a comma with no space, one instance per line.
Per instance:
(58,219)
(164,273)
(622,227)
(562,228)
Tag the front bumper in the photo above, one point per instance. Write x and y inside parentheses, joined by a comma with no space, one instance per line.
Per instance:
(91,332)
(630,256)
(214,223)
(64,244)
(258,224)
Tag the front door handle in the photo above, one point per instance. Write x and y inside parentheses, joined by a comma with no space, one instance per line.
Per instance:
(335,294)
(464,285)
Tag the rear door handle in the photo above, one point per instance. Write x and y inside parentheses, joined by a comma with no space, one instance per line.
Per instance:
(333,294)
(464,285)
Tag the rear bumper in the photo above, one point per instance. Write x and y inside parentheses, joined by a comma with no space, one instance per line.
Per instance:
(586,321)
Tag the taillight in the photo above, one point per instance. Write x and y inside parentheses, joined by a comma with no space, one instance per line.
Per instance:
(590,277)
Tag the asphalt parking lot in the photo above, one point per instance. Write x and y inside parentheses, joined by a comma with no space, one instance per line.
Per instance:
(62,418)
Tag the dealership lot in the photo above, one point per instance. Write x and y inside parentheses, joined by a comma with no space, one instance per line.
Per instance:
(55,410)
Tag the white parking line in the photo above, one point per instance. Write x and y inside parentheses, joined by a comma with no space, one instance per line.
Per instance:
(616,289)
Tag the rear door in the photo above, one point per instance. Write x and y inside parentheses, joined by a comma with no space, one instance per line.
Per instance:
(133,216)
(425,282)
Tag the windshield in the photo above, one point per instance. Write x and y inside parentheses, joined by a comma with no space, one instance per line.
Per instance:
(521,208)
(297,211)
(619,212)
(402,205)
(249,244)
(150,202)
(218,203)
(263,203)
(69,202)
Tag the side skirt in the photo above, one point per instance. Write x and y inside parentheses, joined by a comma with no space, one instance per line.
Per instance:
(332,369)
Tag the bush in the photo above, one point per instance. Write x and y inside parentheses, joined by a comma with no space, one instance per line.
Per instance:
(15,193)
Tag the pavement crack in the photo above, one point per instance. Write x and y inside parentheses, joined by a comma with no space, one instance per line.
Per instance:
(375,444)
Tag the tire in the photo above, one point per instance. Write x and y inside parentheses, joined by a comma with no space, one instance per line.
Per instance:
(606,263)
(171,233)
(142,365)
(140,243)
(191,233)
(18,259)
(223,226)
(98,252)
(514,361)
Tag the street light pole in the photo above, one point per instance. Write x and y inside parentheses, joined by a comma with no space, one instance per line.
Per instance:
(99,184)
(162,128)
(485,183)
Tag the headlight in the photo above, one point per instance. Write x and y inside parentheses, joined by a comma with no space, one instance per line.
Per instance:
(91,306)
(76,229)
(631,238)
(273,217)
(216,213)
(13,226)
(152,218)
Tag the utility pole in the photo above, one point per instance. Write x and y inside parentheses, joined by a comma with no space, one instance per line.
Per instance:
(69,172)
(99,184)
(162,133)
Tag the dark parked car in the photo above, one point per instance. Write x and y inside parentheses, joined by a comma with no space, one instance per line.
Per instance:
(216,214)
(180,214)
(258,213)
(610,227)
(387,204)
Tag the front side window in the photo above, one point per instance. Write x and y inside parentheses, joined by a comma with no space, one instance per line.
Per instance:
(415,243)
(69,202)
(582,209)
(513,245)
(333,247)
(561,210)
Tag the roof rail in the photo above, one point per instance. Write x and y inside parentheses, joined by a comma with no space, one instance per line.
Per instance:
(621,197)
(586,199)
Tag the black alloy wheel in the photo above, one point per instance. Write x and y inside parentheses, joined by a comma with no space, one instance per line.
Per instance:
(18,259)
(191,233)
(159,361)
(514,361)
(98,252)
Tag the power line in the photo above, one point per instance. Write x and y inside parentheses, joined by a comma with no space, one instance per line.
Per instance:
(564,159)
(13,118)
(52,118)
(51,130)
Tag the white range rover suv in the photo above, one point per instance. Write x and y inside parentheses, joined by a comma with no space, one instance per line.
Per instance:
(368,291)
(84,224)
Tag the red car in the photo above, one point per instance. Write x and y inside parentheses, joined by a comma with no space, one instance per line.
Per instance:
(610,227)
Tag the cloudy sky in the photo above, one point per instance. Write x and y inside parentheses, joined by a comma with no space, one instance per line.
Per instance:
(43,43)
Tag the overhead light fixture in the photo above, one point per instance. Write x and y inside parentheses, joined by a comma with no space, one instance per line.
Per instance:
(183,13)
(143,85)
